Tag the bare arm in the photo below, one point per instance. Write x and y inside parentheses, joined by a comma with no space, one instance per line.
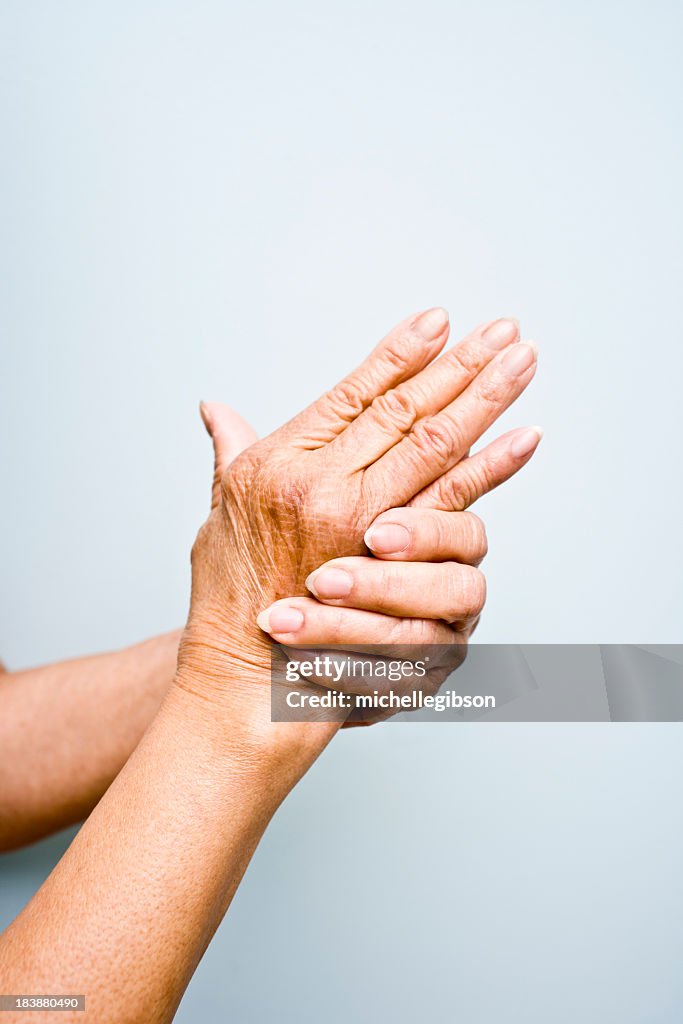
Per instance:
(67,729)
(129,910)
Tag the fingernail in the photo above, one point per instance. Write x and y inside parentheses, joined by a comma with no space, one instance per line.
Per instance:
(525,441)
(501,333)
(431,324)
(330,583)
(280,619)
(387,538)
(204,413)
(519,359)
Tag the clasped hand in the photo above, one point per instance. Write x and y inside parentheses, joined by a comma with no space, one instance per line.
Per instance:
(359,501)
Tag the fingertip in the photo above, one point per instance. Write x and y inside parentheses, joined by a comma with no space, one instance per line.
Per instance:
(498,334)
(387,538)
(206,416)
(330,583)
(280,620)
(263,621)
(525,441)
(431,324)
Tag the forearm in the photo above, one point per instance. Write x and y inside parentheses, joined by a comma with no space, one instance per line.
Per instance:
(129,910)
(67,729)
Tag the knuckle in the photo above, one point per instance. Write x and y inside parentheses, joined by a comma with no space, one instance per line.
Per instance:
(457,493)
(466,588)
(463,486)
(493,390)
(483,476)
(432,437)
(476,532)
(347,398)
(396,406)
(474,591)
(460,358)
(451,495)
(399,352)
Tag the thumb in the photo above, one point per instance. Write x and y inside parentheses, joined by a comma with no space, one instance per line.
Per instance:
(230,434)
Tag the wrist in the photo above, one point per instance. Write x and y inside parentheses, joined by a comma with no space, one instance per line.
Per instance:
(231,725)
(215,656)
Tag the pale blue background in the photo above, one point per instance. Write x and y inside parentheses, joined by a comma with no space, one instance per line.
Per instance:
(227,200)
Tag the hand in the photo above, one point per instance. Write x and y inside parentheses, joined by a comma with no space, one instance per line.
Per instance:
(306,494)
(407,603)
(405,609)
(183,817)
(415,611)
(419,594)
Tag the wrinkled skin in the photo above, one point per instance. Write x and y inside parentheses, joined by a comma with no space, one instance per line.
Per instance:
(386,436)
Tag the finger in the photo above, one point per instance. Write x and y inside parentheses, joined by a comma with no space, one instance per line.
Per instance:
(427,535)
(302,621)
(436,443)
(425,590)
(394,412)
(475,476)
(404,351)
(230,434)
